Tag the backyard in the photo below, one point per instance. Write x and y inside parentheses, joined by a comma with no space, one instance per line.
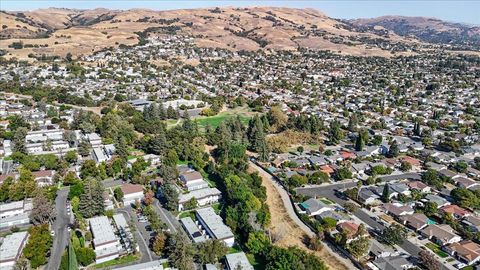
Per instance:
(436,248)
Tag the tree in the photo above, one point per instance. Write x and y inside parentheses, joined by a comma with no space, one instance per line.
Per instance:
(170,195)
(314,243)
(70,178)
(343,173)
(353,122)
(428,260)
(149,197)
(72,258)
(359,143)
(256,138)
(88,169)
(386,193)
(191,204)
(431,208)
(38,245)
(180,251)
(335,134)
(350,207)
(84,148)
(257,241)
(42,211)
(277,119)
(358,247)
(159,242)
(71,156)
(405,166)
(91,201)
(211,251)
(19,140)
(393,151)
(393,235)
(85,255)
(118,194)
(461,166)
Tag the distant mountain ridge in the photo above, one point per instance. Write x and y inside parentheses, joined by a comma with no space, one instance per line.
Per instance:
(426,29)
(58,31)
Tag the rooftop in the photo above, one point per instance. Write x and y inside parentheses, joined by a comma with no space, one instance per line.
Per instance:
(214,223)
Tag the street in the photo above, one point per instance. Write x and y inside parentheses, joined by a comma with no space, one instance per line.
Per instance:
(172,223)
(329,192)
(60,240)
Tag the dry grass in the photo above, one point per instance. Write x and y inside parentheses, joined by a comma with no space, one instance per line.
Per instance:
(286,231)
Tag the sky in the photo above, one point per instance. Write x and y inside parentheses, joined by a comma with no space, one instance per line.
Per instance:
(454,11)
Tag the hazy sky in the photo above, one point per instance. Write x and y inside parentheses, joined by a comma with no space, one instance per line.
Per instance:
(455,11)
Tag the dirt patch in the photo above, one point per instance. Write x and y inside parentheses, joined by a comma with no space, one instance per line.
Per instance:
(290,233)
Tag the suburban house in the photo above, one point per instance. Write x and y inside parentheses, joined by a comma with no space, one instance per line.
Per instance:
(391,263)
(203,196)
(397,210)
(455,210)
(105,243)
(314,207)
(467,251)
(214,226)
(419,186)
(193,180)
(44,178)
(416,221)
(131,193)
(237,260)
(11,249)
(465,182)
(443,234)
(440,201)
(473,222)
(15,213)
(367,196)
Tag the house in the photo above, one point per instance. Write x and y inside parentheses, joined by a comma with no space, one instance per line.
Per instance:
(347,155)
(472,222)
(415,163)
(131,193)
(391,263)
(367,196)
(152,158)
(105,243)
(400,188)
(467,251)
(94,139)
(203,196)
(318,161)
(397,210)
(416,221)
(237,260)
(465,182)
(333,215)
(11,249)
(192,230)
(441,202)
(314,207)
(193,180)
(214,226)
(44,178)
(15,213)
(348,227)
(443,234)
(455,210)
(327,169)
(419,186)
(379,250)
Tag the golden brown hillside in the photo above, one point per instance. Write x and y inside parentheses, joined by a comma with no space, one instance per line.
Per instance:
(59,31)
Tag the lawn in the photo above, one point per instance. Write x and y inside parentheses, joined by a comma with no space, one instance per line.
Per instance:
(187,214)
(436,248)
(214,121)
(122,260)
(326,201)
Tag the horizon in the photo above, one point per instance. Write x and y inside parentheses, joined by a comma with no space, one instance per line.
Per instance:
(344,9)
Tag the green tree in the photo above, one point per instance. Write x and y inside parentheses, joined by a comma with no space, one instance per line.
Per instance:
(211,251)
(393,151)
(85,255)
(118,194)
(171,197)
(71,156)
(359,143)
(91,201)
(430,208)
(358,247)
(191,204)
(257,242)
(335,133)
(394,235)
(38,245)
(386,193)
(84,148)
(180,251)
(88,169)
(159,242)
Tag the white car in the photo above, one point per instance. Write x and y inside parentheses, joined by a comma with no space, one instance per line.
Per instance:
(460,265)
(52,233)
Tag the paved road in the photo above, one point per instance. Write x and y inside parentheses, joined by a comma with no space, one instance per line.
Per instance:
(141,235)
(293,215)
(168,218)
(328,192)
(62,220)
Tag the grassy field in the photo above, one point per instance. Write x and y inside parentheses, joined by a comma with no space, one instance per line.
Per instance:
(214,121)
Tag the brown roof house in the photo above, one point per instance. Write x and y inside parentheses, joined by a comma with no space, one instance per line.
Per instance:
(442,234)
(417,221)
(132,193)
(467,251)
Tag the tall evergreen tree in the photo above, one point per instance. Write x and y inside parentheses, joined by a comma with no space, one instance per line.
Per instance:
(386,194)
(393,151)
(72,258)
(359,143)
(335,134)
(91,201)
(256,137)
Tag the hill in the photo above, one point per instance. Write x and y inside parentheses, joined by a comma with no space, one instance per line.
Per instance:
(56,32)
(425,29)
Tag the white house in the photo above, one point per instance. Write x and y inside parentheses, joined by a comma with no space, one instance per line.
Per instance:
(132,193)
(11,249)
(105,243)
(203,196)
